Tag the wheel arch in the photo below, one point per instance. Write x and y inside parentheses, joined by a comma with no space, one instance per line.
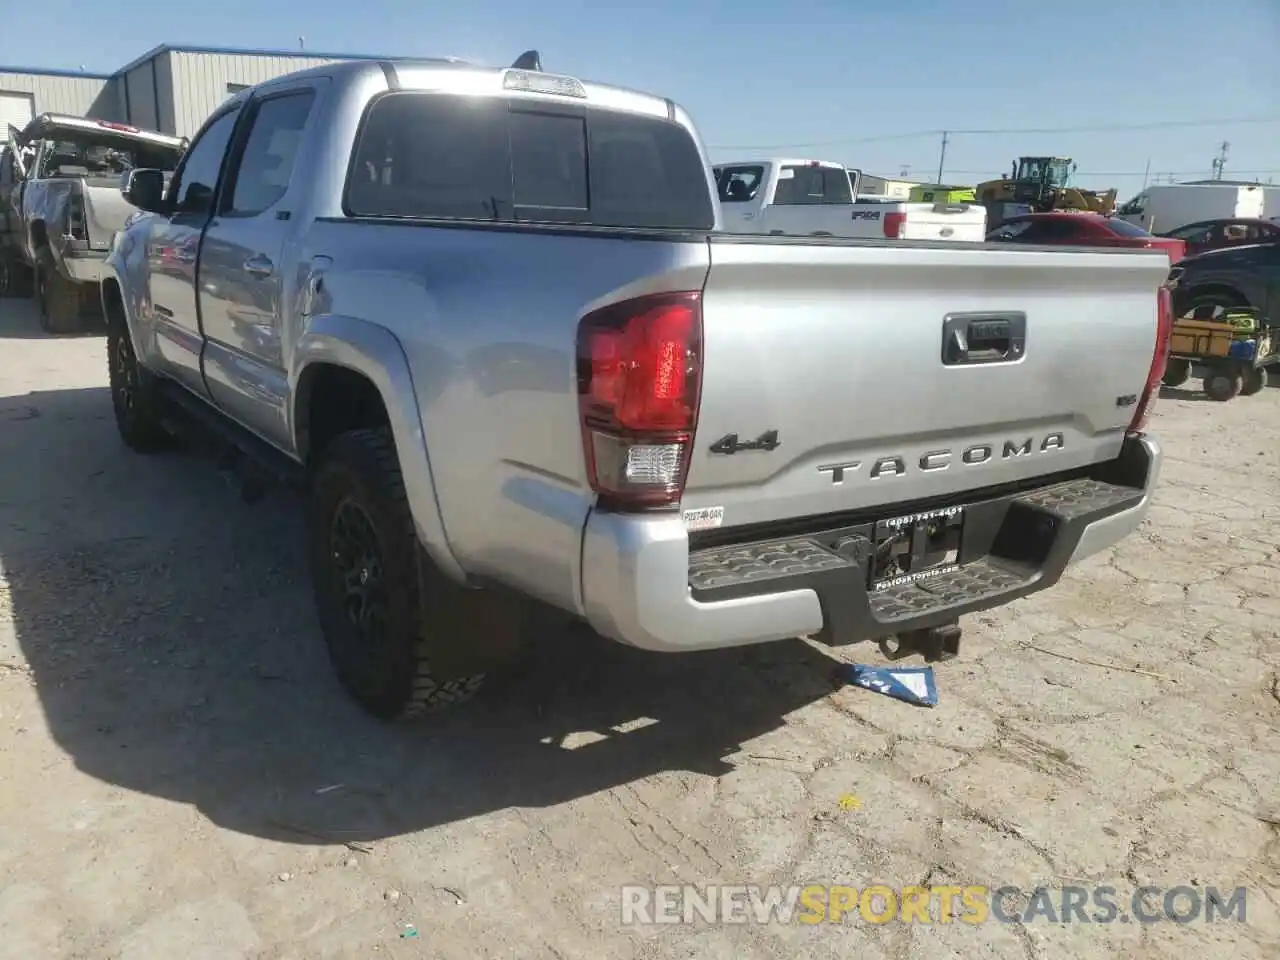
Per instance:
(365,361)
(1231,293)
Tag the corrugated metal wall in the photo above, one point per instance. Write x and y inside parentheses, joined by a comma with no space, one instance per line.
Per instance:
(139,95)
(80,96)
(147,93)
(199,81)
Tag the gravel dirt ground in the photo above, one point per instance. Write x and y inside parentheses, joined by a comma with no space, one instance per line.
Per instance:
(180,775)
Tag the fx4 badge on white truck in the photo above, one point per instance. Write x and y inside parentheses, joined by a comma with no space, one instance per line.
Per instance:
(486,318)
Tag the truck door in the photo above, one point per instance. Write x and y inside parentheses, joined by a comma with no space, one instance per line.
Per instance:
(1135,211)
(245,286)
(176,341)
(743,191)
(8,218)
(11,193)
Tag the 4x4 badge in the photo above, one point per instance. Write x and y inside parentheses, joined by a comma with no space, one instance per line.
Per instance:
(730,443)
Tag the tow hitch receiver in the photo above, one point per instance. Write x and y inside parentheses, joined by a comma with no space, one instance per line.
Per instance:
(934,643)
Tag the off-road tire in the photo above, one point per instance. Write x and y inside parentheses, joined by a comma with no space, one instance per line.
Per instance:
(1222,386)
(133,396)
(1176,373)
(15,277)
(1254,381)
(428,654)
(58,300)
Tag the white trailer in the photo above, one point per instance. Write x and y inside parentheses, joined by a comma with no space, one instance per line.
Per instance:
(1165,207)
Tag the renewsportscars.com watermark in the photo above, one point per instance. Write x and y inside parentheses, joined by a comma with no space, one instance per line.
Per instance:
(877,903)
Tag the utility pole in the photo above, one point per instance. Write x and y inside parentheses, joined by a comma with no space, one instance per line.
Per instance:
(1220,160)
(942,157)
(1146,173)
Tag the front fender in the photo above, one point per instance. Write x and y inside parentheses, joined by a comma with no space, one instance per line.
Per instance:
(375,353)
(125,266)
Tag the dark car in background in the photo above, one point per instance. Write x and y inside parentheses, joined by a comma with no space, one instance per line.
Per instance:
(1207,235)
(1228,278)
(1082,230)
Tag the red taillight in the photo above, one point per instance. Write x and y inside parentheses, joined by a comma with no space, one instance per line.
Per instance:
(1159,359)
(639,371)
(893,224)
(112,125)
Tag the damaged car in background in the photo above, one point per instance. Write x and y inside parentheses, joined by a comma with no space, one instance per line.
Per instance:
(65,205)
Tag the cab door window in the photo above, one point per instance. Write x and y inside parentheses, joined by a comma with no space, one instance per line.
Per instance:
(262,174)
(196,182)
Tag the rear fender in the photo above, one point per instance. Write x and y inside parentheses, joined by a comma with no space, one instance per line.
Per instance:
(374,352)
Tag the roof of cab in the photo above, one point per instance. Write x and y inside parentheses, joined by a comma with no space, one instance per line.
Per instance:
(43,122)
(783,162)
(460,77)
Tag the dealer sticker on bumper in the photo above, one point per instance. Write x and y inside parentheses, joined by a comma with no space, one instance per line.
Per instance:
(703,518)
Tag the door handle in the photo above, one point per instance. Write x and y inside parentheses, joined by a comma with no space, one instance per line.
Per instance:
(973,338)
(259,266)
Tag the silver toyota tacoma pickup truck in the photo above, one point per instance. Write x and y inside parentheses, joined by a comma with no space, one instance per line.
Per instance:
(486,319)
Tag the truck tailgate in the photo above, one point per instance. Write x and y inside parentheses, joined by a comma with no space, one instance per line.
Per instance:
(946,221)
(843,352)
(105,211)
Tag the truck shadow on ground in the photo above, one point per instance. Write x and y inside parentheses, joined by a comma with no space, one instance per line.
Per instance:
(170,632)
(19,320)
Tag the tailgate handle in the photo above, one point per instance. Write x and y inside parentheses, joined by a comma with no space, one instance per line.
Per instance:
(973,338)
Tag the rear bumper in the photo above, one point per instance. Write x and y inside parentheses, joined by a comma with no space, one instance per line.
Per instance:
(643,586)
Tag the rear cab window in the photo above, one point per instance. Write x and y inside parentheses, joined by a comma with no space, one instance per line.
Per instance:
(103,155)
(1036,231)
(811,184)
(437,156)
(1124,228)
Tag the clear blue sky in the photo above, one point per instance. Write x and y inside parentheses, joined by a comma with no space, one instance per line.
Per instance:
(810,79)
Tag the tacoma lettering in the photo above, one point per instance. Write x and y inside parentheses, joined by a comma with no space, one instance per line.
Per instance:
(972,456)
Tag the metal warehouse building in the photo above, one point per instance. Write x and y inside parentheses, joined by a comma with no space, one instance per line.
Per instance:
(171,89)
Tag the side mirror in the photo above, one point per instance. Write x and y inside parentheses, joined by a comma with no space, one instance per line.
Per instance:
(144,189)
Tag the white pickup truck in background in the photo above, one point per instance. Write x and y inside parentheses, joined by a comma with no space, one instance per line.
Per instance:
(818,198)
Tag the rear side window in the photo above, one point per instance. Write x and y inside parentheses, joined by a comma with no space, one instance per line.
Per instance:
(739,184)
(1194,232)
(422,155)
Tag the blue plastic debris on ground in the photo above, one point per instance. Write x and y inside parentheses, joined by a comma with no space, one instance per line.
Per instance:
(912,684)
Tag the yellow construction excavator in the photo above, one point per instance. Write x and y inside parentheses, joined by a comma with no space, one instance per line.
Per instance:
(1044,184)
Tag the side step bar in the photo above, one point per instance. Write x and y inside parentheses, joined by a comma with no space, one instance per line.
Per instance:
(256,463)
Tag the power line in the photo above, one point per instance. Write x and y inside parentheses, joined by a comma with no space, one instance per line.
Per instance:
(1101,128)
(1138,173)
